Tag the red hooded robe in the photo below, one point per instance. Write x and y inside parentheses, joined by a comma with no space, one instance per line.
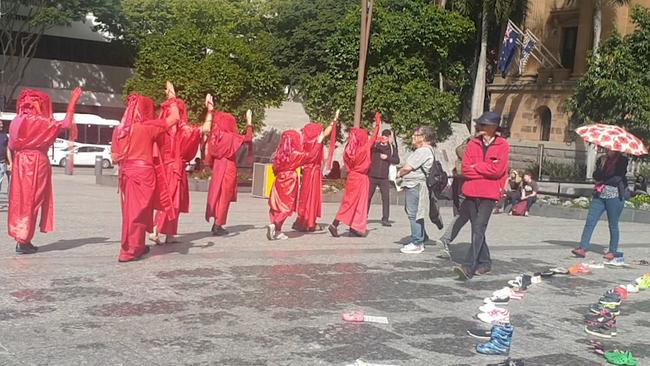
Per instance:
(223,145)
(288,157)
(133,145)
(31,134)
(354,207)
(177,147)
(310,197)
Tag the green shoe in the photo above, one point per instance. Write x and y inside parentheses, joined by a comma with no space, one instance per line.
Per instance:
(644,281)
(620,358)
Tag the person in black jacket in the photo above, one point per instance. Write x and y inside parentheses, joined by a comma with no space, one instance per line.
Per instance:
(609,196)
(384,154)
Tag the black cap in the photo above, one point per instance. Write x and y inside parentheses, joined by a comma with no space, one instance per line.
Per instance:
(489,118)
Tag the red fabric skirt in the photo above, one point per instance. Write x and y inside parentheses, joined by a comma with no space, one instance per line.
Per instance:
(30,192)
(164,223)
(137,187)
(354,207)
(222,190)
(311,197)
(284,195)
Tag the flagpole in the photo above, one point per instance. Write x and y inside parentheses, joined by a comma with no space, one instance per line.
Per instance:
(537,41)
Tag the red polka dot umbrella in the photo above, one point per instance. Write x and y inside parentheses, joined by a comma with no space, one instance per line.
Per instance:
(612,138)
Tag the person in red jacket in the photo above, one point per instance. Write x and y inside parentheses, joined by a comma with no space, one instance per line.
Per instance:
(31,134)
(222,147)
(354,207)
(288,157)
(485,166)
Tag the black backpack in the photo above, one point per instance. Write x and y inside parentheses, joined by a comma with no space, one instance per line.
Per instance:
(437,178)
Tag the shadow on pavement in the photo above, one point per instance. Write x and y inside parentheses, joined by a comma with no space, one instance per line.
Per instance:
(74,243)
(595,248)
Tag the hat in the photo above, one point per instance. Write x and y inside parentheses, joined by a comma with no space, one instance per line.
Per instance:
(489,118)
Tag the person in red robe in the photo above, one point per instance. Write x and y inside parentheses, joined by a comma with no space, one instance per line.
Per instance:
(222,147)
(288,157)
(310,197)
(31,134)
(132,149)
(354,207)
(178,146)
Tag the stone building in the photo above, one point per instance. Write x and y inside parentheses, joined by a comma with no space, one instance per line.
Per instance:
(532,102)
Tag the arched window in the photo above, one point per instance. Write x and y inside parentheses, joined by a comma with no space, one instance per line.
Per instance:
(544,122)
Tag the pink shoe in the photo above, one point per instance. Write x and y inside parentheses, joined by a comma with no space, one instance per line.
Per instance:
(353,316)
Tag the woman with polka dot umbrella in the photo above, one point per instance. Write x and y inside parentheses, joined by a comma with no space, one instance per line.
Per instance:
(613,138)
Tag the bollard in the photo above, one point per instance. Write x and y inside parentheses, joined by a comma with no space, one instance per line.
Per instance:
(69,163)
(98,165)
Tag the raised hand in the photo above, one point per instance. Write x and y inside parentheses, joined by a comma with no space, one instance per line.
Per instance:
(169,90)
(378,118)
(249,117)
(74,96)
(209,102)
(336,115)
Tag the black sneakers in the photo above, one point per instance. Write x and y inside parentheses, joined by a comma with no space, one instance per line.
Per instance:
(480,333)
(218,230)
(26,249)
(602,330)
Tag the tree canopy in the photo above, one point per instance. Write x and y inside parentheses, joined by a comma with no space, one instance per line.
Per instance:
(616,87)
(411,42)
(203,46)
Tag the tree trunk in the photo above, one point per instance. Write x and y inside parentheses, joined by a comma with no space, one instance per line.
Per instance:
(443,3)
(598,24)
(358,102)
(441,79)
(478,97)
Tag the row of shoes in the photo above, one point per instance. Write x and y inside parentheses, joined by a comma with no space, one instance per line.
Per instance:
(494,311)
(601,321)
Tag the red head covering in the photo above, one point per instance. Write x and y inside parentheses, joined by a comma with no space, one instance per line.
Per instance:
(358,137)
(289,142)
(182,109)
(34,102)
(225,121)
(138,109)
(310,134)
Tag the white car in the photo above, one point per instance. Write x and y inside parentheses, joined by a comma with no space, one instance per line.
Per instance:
(83,155)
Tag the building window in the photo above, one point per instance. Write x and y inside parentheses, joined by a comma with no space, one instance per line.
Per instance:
(569,40)
(544,122)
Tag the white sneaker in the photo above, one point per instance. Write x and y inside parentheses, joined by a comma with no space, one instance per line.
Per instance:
(496,315)
(631,288)
(270,232)
(281,236)
(486,308)
(412,249)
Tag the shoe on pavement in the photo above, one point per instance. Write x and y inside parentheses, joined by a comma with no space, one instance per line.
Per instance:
(500,299)
(333,231)
(610,299)
(620,358)
(616,262)
(270,232)
(598,308)
(487,307)
(601,330)
(482,271)
(500,341)
(497,315)
(412,249)
(218,230)
(579,252)
(444,253)
(386,223)
(26,249)
(480,333)
(643,281)
(621,292)
(281,236)
(631,288)
(462,273)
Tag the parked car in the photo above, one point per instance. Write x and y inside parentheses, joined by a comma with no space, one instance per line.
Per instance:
(83,155)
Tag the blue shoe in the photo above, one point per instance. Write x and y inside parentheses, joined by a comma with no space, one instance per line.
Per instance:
(616,262)
(491,348)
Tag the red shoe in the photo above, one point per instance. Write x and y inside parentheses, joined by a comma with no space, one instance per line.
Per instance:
(579,252)
(609,256)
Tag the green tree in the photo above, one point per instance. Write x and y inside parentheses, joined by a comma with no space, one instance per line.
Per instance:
(23,23)
(204,46)
(411,42)
(616,87)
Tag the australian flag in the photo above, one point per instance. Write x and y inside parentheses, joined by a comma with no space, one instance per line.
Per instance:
(508,48)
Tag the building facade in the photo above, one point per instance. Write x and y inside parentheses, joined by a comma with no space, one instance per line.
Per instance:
(77,55)
(532,102)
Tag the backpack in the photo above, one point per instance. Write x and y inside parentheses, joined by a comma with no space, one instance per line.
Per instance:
(437,179)
(520,208)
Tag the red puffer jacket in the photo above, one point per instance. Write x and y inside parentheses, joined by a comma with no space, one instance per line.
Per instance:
(485,168)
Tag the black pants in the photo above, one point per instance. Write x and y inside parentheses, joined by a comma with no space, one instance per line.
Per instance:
(384,189)
(479,211)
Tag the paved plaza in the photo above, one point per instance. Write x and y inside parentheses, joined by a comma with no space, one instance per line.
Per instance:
(242,300)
